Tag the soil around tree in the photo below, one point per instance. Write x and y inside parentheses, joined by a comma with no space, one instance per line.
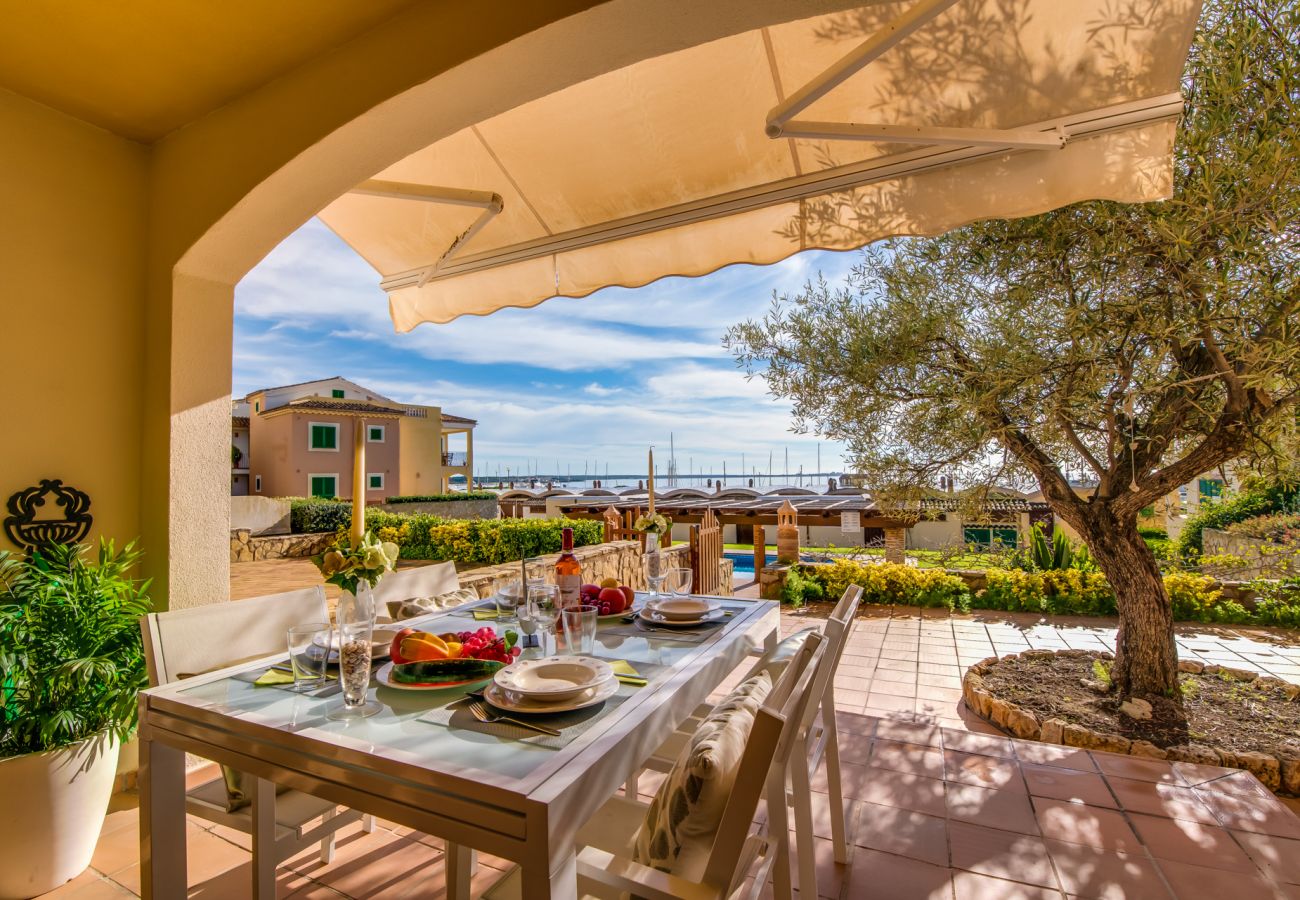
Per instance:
(1220,710)
(1228,716)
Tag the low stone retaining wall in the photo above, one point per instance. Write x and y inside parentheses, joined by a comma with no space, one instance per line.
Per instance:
(447,509)
(259,515)
(1280,775)
(244,547)
(1263,559)
(616,559)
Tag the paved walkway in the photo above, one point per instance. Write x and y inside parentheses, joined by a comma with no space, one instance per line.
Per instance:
(941,806)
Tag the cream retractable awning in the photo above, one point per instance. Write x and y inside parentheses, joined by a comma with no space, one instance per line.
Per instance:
(831,132)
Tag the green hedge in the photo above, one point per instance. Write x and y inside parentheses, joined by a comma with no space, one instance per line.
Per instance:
(309,515)
(891,584)
(479,541)
(443,498)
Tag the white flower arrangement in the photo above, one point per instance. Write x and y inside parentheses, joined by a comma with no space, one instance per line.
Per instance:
(653,524)
(345,565)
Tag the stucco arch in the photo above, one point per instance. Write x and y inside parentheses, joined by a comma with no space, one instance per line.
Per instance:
(226,189)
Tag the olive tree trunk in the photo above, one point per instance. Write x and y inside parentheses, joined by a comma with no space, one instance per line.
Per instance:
(1146,657)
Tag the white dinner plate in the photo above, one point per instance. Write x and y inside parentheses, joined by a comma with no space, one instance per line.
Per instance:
(685,609)
(384,675)
(648,614)
(513,703)
(553,678)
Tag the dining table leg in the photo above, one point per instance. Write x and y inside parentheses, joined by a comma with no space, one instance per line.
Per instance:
(462,865)
(554,880)
(162,820)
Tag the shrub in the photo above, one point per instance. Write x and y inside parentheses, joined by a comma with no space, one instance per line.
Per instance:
(1277,602)
(479,541)
(309,515)
(892,584)
(1281,528)
(443,498)
(800,588)
(1196,599)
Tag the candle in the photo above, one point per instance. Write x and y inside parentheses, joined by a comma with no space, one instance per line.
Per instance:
(358,481)
(651,481)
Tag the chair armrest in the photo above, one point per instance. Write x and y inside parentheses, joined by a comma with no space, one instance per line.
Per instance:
(642,881)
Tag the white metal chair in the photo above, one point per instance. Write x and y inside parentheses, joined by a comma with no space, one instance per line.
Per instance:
(606,871)
(186,642)
(818,735)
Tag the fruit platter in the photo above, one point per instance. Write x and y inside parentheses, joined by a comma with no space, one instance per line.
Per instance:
(423,661)
(609,597)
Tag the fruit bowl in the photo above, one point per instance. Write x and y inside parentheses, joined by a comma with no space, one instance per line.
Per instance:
(553,678)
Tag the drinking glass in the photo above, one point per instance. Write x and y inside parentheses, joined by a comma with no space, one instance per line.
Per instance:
(579,629)
(540,613)
(680,581)
(309,649)
(538,570)
(656,570)
(354,670)
(508,599)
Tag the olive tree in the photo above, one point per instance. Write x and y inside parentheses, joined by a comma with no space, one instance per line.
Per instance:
(1143,344)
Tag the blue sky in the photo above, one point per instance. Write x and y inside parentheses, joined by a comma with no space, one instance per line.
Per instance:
(596,379)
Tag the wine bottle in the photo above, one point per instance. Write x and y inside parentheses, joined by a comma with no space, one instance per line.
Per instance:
(568,572)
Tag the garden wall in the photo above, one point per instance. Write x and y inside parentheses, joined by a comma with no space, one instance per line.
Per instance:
(246,547)
(260,515)
(1262,558)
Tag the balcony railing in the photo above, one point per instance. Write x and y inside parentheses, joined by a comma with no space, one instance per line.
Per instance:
(458,458)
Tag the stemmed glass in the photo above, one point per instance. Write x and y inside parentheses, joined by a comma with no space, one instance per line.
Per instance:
(656,572)
(540,613)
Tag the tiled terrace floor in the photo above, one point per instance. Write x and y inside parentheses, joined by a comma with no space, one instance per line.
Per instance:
(939,807)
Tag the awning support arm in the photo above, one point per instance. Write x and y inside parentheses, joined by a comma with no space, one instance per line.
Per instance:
(491,204)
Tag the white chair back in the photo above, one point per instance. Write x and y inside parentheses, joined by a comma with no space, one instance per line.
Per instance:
(183,642)
(766,756)
(416,581)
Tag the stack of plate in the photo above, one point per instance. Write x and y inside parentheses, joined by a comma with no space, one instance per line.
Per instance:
(681,612)
(551,685)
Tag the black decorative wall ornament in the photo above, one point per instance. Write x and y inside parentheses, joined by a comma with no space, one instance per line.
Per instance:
(29,531)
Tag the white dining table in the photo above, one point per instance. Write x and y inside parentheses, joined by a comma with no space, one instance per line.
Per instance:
(511,798)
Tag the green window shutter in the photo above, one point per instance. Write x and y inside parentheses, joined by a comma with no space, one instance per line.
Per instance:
(1211,487)
(376,482)
(323,486)
(376,433)
(337,394)
(324,437)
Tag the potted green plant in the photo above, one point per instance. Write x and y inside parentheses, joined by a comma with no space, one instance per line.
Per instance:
(71,663)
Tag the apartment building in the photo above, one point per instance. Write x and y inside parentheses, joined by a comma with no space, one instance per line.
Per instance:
(297,440)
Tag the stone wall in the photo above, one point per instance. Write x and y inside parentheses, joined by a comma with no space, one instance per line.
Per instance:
(260,515)
(244,547)
(1263,558)
(448,509)
(617,559)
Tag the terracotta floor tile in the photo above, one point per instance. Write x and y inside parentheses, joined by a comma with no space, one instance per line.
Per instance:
(890,702)
(945,681)
(1158,799)
(983,744)
(914,792)
(388,867)
(902,832)
(1278,857)
(982,771)
(1196,773)
(1259,814)
(830,875)
(1053,755)
(884,876)
(855,723)
(1238,784)
(1092,874)
(90,885)
(909,732)
(1077,823)
(1067,784)
(942,694)
(1191,842)
(906,676)
(207,857)
(1138,769)
(1193,882)
(896,688)
(973,886)
(1002,854)
(911,758)
(1002,809)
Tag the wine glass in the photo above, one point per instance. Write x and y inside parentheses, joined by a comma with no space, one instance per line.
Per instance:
(540,612)
(656,572)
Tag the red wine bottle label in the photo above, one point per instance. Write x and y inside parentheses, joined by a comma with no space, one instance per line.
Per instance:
(570,589)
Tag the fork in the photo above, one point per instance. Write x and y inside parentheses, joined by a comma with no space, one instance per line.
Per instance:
(487,717)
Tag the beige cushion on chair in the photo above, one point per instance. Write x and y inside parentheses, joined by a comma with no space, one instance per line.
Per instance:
(776,659)
(419,606)
(680,825)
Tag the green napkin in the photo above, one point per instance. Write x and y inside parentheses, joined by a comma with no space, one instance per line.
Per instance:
(624,672)
(484,614)
(273,677)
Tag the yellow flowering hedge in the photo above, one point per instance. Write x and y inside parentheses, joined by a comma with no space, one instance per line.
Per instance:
(892,584)
(483,541)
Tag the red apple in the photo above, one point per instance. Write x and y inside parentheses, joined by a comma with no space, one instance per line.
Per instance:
(629,595)
(614,597)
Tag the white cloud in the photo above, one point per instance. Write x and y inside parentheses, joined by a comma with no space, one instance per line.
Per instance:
(600,390)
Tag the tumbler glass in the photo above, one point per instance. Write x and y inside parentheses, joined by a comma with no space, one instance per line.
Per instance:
(579,629)
(309,650)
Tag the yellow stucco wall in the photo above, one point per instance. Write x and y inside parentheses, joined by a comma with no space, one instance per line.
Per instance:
(131,252)
(72,233)
(421,454)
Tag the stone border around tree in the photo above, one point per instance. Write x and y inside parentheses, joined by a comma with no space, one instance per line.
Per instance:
(1281,775)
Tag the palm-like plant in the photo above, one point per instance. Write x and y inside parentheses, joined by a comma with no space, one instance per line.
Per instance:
(71,658)
(1047,555)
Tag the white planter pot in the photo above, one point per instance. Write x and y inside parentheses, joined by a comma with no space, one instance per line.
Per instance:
(55,804)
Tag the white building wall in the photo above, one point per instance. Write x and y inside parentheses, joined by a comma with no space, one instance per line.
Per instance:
(935,535)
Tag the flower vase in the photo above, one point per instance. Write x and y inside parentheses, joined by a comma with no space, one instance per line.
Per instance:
(656,567)
(355,621)
(356,606)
